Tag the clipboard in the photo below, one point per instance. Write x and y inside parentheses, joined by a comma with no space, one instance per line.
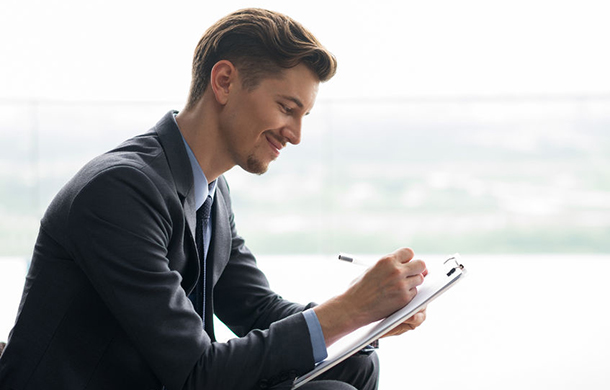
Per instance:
(440,278)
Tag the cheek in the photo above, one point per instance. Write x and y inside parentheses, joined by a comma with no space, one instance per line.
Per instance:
(265,118)
(265,114)
(255,115)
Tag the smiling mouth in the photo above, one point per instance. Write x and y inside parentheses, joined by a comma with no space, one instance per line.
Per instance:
(275,145)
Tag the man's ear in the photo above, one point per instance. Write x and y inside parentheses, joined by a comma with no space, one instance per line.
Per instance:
(222,79)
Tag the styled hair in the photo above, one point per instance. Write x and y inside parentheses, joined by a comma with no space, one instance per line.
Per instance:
(259,43)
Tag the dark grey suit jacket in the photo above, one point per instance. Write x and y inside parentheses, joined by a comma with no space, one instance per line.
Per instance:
(105,301)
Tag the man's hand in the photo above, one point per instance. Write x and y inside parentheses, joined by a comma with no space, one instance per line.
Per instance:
(383,289)
(410,324)
(387,286)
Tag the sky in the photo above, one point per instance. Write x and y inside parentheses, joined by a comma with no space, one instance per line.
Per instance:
(142,50)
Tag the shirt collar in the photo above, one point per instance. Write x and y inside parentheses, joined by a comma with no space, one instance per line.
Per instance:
(203,189)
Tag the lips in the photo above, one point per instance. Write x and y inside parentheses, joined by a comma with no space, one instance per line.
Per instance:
(275,145)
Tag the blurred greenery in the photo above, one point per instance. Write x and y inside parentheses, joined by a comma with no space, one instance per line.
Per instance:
(469,176)
(501,241)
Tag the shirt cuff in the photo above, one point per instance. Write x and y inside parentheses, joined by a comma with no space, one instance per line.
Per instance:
(317,337)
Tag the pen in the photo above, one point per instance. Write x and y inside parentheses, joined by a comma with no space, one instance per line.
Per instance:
(351,259)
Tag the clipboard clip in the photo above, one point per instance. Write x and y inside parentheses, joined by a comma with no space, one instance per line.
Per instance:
(454,264)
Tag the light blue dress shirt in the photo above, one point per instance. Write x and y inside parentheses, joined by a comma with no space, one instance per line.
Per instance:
(203,189)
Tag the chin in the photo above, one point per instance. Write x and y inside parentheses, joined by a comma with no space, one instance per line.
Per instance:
(256,166)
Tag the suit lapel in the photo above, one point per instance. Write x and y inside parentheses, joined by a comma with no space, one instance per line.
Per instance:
(190,214)
(180,166)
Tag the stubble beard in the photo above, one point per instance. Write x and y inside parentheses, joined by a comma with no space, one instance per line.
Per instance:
(256,166)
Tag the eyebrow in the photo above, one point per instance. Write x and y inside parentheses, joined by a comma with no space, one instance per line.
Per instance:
(293,99)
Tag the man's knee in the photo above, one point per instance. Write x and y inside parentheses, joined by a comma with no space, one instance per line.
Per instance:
(360,370)
(327,385)
(363,367)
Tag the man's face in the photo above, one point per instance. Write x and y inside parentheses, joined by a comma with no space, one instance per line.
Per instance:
(256,124)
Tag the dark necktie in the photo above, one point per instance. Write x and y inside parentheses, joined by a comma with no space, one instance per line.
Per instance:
(198,294)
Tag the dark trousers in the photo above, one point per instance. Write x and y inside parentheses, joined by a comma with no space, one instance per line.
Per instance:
(360,372)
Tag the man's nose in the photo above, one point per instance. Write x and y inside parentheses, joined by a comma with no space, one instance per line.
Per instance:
(292,132)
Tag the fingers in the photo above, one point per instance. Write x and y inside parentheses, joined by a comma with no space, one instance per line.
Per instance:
(400,329)
(415,321)
(403,273)
(418,318)
(404,256)
(415,267)
(410,324)
(411,282)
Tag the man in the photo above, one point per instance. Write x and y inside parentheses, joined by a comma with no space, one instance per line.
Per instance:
(139,250)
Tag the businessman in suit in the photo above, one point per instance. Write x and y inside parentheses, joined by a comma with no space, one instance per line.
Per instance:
(139,250)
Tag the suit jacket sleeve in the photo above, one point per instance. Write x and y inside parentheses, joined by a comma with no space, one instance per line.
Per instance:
(121,224)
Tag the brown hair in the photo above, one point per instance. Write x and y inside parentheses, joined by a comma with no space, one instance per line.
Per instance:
(259,43)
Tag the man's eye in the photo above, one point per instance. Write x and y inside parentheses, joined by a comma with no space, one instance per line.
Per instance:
(286,109)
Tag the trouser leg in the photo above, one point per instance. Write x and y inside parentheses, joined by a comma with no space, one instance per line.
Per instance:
(360,371)
(326,385)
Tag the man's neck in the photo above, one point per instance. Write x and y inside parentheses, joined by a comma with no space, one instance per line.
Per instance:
(199,129)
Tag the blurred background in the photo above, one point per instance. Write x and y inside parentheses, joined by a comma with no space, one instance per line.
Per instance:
(479,127)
